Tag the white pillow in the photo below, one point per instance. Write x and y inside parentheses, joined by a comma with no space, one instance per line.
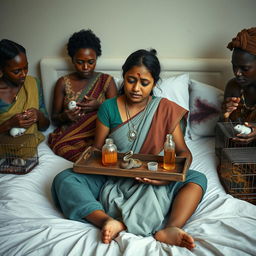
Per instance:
(118,82)
(205,108)
(174,88)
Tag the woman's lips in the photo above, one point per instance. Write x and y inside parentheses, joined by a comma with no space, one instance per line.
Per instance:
(241,80)
(133,95)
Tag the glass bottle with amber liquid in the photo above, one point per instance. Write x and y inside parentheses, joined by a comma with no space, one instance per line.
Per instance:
(169,153)
(109,153)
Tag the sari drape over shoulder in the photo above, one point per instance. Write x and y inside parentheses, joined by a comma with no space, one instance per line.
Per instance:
(70,140)
(125,198)
(161,118)
(26,98)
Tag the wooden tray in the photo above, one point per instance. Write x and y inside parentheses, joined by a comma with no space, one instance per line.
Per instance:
(90,163)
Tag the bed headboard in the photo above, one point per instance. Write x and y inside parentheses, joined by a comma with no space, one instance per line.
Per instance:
(215,72)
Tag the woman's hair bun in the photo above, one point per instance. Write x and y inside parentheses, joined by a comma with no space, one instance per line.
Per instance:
(153,51)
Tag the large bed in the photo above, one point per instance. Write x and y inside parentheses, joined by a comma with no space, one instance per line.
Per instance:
(30,224)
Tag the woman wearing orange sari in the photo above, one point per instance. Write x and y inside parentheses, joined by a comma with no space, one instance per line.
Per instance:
(88,89)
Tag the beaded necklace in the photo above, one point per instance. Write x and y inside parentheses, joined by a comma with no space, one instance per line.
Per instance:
(133,133)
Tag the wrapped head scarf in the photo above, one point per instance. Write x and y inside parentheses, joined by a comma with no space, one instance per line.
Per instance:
(245,40)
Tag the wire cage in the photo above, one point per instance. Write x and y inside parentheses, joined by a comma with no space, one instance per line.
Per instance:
(18,155)
(237,172)
(223,139)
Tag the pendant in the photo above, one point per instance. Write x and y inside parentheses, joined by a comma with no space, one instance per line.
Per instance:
(132,135)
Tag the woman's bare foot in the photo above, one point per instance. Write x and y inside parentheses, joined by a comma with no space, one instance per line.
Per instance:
(175,236)
(111,229)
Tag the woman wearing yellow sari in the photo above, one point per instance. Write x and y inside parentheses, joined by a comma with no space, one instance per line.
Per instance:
(21,97)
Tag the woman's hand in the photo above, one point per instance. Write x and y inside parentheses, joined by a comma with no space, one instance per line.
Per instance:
(23,120)
(32,113)
(152,182)
(38,117)
(246,138)
(89,104)
(74,114)
(229,105)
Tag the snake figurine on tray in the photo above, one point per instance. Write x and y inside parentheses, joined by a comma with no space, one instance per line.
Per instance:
(129,162)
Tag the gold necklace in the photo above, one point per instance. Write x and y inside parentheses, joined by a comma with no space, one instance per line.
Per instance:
(15,96)
(10,86)
(133,133)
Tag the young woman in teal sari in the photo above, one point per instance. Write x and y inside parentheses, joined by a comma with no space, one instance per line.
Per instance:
(136,121)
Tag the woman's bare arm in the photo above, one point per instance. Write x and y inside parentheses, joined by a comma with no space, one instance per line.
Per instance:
(112,90)
(101,134)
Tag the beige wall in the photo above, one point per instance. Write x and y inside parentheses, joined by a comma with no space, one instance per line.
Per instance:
(176,28)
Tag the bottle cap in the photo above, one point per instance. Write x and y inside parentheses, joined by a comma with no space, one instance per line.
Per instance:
(169,136)
(109,141)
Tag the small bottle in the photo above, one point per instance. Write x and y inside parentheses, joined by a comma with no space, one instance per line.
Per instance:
(169,153)
(109,153)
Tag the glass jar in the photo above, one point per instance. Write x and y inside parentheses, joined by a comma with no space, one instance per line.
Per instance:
(109,153)
(169,153)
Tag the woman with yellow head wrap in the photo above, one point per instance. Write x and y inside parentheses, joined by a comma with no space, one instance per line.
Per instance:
(240,93)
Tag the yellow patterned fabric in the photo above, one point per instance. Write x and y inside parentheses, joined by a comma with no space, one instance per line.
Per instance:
(27,97)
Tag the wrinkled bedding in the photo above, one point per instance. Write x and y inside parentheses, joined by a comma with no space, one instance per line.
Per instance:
(31,225)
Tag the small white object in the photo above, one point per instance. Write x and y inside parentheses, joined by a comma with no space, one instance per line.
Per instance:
(15,132)
(72,105)
(19,162)
(242,129)
(152,166)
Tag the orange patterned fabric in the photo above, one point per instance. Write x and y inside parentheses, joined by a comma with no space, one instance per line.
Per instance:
(70,140)
(245,40)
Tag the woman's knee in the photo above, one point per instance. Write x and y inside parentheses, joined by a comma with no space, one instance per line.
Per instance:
(60,177)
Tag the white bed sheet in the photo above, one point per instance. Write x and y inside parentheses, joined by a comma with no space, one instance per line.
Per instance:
(31,225)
